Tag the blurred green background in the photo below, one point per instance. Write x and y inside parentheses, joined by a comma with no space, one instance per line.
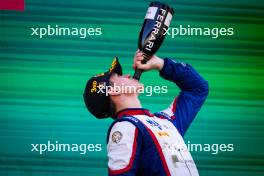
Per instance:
(42,81)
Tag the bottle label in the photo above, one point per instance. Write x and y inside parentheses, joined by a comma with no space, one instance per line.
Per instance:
(151,13)
(168,19)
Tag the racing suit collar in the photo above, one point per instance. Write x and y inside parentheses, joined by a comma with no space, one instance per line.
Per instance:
(133,111)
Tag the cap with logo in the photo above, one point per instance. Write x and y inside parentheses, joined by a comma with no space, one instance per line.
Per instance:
(95,97)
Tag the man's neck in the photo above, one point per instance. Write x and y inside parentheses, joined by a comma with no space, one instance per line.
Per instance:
(131,102)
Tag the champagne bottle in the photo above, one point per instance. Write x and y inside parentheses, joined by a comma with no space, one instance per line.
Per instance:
(152,34)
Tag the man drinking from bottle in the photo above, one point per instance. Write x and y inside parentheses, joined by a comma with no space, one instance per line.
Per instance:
(141,142)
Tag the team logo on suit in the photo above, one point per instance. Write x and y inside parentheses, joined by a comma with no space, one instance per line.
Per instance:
(153,123)
(116,137)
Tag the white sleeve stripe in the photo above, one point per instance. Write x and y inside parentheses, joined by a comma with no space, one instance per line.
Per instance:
(171,109)
(173,105)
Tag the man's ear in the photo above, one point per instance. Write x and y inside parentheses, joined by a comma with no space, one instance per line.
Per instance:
(113,92)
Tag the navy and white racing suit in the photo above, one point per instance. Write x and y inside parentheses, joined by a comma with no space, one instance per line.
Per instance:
(142,143)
